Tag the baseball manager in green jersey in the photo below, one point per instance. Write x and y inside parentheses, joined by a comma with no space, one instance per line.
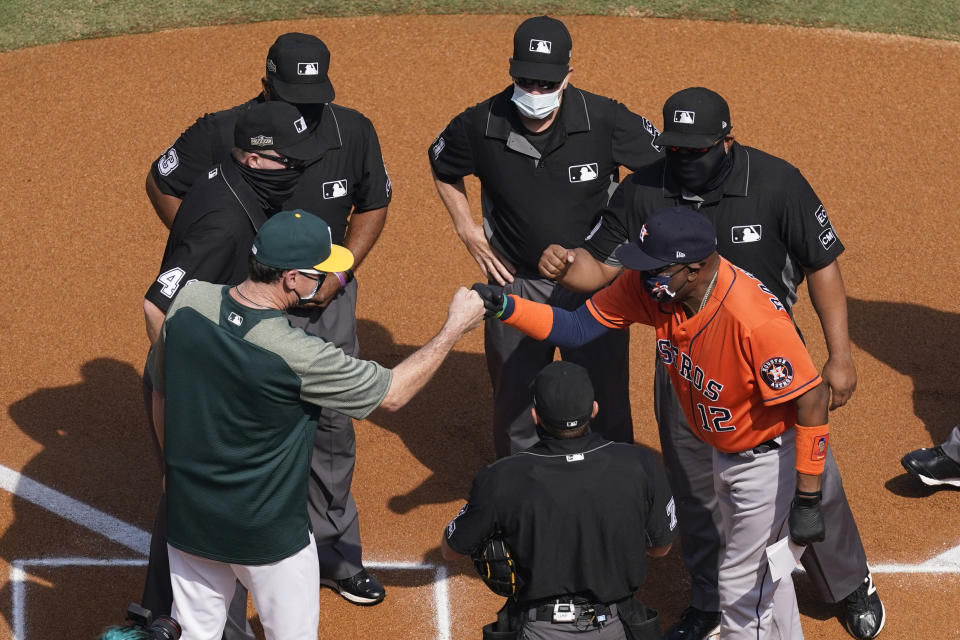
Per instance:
(237,394)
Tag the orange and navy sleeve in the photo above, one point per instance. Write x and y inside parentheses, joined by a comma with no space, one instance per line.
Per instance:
(623,302)
(557,326)
(780,362)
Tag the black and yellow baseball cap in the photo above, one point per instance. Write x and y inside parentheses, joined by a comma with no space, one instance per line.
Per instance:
(299,240)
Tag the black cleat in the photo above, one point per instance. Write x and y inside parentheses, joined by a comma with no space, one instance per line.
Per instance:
(695,624)
(932,467)
(362,589)
(865,614)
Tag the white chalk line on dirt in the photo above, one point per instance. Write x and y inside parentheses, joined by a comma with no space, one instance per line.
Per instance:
(139,540)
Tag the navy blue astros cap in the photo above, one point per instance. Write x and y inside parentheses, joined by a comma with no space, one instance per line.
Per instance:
(563,395)
(297,66)
(541,50)
(670,235)
(695,118)
(276,126)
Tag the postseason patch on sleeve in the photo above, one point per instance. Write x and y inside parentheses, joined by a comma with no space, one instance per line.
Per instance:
(777,372)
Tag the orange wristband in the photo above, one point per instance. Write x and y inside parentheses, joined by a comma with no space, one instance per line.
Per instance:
(533,318)
(811,444)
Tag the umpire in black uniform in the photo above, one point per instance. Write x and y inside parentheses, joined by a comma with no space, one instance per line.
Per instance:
(547,155)
(348,187)
(576,510)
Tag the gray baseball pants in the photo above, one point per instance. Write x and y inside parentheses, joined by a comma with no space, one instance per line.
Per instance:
(514,360)
(952,446)
(837,566)
(754,492)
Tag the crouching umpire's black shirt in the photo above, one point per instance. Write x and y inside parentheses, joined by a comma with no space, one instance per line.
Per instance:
(577,515)
(540,189)
(211,236)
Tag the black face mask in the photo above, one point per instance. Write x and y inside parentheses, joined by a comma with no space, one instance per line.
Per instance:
(700,172)
(271,186)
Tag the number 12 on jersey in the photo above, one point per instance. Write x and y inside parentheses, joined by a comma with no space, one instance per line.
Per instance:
(718,415)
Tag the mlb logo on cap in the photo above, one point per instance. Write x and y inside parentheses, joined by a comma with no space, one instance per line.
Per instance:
(308,68)
(684,117)
(300,125)
(541,46)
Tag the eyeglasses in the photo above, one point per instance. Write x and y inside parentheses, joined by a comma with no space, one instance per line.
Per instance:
(530,83)
(290,163)
(692,150)
(316,277)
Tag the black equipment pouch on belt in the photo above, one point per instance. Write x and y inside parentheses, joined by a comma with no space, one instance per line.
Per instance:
(639,621)
(507,626)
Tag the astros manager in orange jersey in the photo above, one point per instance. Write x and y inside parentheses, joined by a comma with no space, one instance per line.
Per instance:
(747,385)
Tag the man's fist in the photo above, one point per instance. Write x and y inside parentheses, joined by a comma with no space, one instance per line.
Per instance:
(493,298)
(554,261)
(806,522)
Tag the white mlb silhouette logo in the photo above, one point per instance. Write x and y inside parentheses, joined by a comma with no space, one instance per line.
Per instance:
(541,46)
(308,68)
(334,189)
(684,117)
(582,172)
(235,318)
(300,125)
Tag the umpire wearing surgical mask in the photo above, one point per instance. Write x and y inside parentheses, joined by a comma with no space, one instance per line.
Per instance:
(547,155)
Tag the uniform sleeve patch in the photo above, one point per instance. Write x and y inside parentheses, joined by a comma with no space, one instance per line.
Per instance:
(828,237)
(777,372)
(168,162)
(821,216)
(672,514)
(438,146)
(389,185)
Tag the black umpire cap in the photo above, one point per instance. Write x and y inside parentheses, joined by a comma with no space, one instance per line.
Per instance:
(541,50)
(297,66)
(276,126)
(563,395)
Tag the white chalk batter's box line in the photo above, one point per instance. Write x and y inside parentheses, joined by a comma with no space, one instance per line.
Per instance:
(19,574)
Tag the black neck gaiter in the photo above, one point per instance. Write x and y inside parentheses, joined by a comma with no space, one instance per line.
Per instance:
(701,172)
(271,186)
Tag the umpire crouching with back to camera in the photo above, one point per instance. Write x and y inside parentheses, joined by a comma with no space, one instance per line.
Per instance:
(572,536)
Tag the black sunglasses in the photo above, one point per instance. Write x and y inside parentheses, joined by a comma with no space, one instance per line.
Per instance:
(695,149)
(530,83)
(289,163)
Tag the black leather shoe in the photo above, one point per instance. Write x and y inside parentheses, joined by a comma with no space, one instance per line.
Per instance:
(932,467)
(695,624)
(865,614)
(362,589)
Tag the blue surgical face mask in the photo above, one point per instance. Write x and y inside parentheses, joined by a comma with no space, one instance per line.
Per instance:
(536,106)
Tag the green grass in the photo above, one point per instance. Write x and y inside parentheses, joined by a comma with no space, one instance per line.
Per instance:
(25,23)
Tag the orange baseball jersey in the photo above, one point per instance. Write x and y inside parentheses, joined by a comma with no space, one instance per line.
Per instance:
(735,365)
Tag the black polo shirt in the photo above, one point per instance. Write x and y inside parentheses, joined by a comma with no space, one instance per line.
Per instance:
(768,219)
(577,515)
(547,188)
(350,176)
(211,235)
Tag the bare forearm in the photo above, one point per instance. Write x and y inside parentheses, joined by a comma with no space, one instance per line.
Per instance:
(165,205)
(829,299)
(411,375)
(363,232)
(454,198)
(587,274)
